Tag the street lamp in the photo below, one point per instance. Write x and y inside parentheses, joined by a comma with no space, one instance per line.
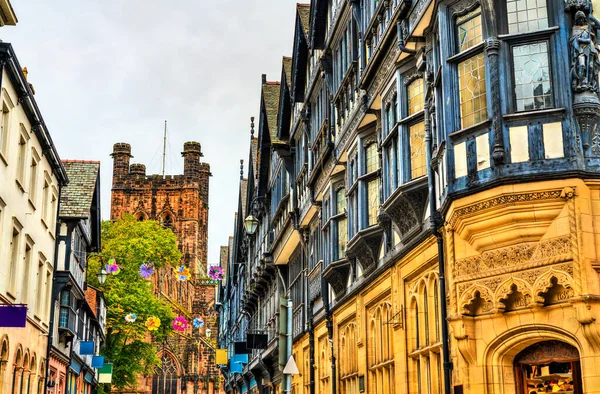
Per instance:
(250,224)
(101,276)
(208,332)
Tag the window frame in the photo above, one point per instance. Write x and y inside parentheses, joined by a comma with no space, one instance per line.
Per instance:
(456,57)
(521,39)
(33,178)
(366,178)
(5,124)
(15,255)
(405,123)
(22,157)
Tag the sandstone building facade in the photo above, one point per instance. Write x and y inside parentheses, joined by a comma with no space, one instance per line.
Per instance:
(31,178)
(425,201)
(180,203)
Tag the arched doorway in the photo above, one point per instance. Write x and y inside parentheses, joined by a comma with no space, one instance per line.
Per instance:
(548,366)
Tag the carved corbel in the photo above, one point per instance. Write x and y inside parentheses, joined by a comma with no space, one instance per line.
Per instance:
(585,306)
(463,328)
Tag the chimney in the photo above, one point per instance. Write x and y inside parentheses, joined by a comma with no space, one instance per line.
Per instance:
(191,158)
(264,79)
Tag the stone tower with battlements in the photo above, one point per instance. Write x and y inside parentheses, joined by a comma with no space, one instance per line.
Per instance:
(179,202)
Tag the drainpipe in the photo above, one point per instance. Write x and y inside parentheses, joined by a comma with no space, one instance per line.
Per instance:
(329,324)
(401,45)
(309,318)
(435,219)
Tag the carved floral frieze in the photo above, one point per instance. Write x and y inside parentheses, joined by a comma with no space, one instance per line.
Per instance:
(513,258)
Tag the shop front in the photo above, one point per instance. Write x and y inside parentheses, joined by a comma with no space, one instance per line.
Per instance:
(548,366)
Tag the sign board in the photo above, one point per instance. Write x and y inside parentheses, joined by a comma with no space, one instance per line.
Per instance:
(13,316)
(291,368)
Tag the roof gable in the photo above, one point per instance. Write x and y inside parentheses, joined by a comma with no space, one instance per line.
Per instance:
(76,198)
(270,94)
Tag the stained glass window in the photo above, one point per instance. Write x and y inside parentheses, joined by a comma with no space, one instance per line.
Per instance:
(533,88)
(417,150)
(526,15)
(469,29)
(415,96)
(471,81)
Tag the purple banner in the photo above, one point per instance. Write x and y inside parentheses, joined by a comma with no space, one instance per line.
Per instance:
(13,315)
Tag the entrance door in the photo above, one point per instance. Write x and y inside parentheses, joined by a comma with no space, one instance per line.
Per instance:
(548,367)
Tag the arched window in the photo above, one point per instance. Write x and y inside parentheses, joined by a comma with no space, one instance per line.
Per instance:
(41,377)
(348,359)
(425,372)
(426,315)
(4,353)
(17,372)
(167,220)
(380,349)
(166,378)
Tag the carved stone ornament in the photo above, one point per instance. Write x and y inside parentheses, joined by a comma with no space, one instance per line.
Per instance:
(337,274)
(585,66)
(517,257)
(365,247)
(406,207)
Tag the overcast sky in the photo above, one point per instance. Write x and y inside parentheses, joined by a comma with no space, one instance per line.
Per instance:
(108,71)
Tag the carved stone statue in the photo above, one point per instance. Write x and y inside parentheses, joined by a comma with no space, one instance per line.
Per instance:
(585,64)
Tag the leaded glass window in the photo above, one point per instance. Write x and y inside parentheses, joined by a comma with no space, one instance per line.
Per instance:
(526,15)
(342,236)
(533,87)
(340,201)
(415,96)
(417,150)
(372,201)
(371,158)
(469,29)
(471,81)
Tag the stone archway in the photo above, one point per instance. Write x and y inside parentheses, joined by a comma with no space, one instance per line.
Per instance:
(501,354)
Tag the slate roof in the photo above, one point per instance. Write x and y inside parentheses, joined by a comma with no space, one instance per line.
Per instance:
(244,195)
(304,13)
(287,68)
(76,197)
(271,100)
(254,157)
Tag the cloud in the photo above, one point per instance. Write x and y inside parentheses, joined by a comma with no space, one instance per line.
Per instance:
(112,71)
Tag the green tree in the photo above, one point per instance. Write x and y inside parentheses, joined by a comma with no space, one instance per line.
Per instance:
(132,243)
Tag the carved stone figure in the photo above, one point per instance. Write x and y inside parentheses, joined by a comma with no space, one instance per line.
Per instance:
(585,64)
(585,67)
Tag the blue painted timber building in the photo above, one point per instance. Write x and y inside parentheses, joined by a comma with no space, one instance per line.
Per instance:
(421,208)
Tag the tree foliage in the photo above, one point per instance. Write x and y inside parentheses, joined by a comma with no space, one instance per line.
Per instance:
(133,243)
